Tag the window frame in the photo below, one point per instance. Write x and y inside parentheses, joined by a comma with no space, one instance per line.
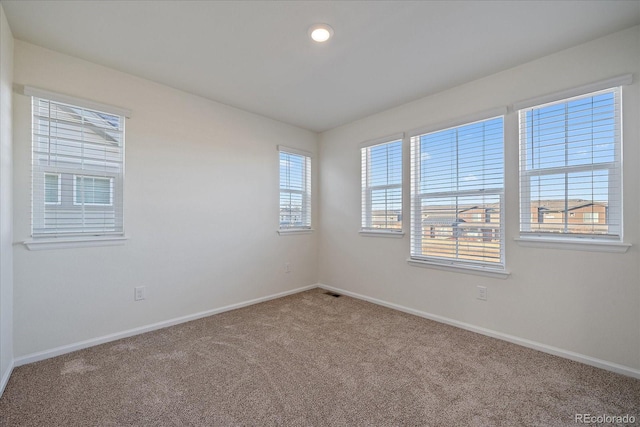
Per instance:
(57,239)
(366,214)
(612,168)
(486,268)
(94,177)
(306,192)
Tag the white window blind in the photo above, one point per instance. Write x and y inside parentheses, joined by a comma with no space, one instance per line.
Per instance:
(295,189)
(570,167)
(457,195)
(77,170)
(382,186)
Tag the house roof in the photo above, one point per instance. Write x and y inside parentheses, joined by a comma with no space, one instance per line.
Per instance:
(559,205)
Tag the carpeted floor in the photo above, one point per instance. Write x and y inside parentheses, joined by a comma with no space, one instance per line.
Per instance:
(312,359)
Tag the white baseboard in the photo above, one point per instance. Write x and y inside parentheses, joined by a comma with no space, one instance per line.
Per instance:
(46,354)
(5,377)
(587,360)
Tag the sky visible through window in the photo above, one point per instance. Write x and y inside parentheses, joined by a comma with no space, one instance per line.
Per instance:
(291,171)
(463,159)
(385,169)
(571,134)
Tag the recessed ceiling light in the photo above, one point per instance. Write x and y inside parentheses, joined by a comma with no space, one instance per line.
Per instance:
(320,32)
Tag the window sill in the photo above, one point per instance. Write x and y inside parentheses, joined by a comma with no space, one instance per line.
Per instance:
(295,231)
(573,244)
(392,234)
(465,269)
(41,244)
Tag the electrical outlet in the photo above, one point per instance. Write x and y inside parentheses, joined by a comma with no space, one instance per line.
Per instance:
(139,293)
(482,293)
(287,267)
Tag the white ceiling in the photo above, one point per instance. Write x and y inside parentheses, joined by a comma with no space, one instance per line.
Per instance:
(257,55)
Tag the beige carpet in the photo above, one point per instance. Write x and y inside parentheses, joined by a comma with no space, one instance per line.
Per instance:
(312,359)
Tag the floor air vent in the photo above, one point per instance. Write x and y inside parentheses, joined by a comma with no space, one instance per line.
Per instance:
(333,294)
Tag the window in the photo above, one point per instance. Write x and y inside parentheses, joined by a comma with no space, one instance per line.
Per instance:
(457,192)
(570,167)
(382,186)
(52,188)
(77,171)
(591,217)
(91,190)
(295,189)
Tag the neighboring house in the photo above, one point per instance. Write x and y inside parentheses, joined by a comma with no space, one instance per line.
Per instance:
(291,216)
(465,222)
(77,170)
(387,219)
(578,214)
(483,223)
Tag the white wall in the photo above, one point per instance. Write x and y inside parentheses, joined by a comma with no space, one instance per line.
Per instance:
(6,201)
(201,211)
(582,302)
